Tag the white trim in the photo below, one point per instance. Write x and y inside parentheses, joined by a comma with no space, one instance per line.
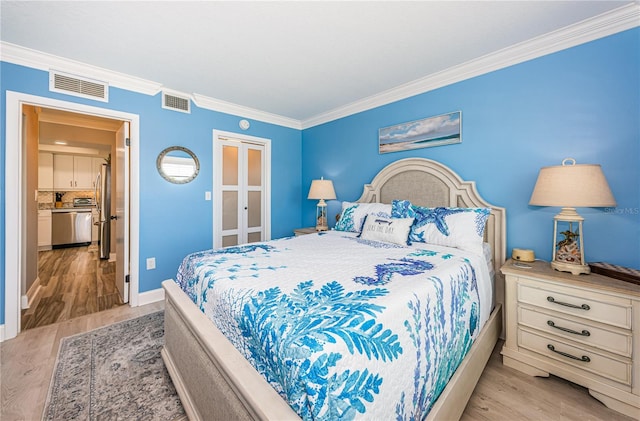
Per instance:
(24,56)
(245,112)
(32,293)
(13,187)
(152,296)
(217,182)
(1,333)
(606,24)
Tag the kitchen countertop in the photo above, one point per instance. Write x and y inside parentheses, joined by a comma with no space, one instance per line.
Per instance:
(83,209)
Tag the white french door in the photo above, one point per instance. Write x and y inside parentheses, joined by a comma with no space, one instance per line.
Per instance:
(242,189)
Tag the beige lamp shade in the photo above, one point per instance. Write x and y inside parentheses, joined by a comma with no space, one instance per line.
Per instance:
(321,189)
(572,185)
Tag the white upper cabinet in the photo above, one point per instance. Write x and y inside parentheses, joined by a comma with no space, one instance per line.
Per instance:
(83,172)
(72,172)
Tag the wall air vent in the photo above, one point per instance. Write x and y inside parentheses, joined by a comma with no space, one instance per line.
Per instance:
(78,86)
(176,103)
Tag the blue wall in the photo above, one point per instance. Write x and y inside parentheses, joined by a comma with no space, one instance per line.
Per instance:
(583,102)
(174,219)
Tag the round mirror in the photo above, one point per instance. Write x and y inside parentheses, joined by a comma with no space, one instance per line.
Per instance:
(178,165)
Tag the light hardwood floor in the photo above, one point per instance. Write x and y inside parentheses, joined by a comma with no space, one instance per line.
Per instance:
(74,281)
(502,393)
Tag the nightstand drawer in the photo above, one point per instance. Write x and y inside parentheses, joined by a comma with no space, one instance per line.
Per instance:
(584,359)
(578,303)
(618,342)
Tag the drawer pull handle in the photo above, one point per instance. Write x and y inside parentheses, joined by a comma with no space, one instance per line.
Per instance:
(581,307)
(584,358)
(564,329)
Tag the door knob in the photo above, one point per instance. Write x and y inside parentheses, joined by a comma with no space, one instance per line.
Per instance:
(113,217)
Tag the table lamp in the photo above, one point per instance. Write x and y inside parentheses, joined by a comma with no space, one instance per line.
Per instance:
(568,186)
(321,189)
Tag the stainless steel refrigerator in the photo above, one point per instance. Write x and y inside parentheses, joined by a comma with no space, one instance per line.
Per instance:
(103,203)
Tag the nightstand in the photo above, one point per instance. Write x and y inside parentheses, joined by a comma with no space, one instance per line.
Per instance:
(583,328)
(304,231)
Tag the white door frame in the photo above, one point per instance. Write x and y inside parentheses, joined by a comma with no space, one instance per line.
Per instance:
(14,185)
(217,182)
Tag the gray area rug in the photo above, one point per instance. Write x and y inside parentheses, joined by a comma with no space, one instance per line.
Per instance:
(114,373)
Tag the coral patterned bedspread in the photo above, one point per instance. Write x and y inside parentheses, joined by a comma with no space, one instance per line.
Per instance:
(341,327)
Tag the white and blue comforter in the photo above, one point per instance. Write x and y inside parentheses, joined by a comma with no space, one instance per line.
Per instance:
(343,328)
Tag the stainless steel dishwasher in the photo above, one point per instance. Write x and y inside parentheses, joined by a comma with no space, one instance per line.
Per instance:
(70,227)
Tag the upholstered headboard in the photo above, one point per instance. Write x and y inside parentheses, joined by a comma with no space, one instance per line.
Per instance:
(429,183)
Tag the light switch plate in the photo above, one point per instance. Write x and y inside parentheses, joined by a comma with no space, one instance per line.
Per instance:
(151,263)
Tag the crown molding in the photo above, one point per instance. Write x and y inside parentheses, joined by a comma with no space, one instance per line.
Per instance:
(213,104)
(23,56)
(606,24)
(600,26)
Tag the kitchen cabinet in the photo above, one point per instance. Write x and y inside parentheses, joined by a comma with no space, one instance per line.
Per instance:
(72,172)
(44,229)
(45,171)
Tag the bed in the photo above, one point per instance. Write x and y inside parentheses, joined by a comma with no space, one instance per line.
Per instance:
(216,381)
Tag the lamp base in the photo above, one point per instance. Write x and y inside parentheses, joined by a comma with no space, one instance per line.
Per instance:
(322,228)
(570,267)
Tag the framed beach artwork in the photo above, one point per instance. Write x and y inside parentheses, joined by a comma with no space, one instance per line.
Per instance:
(440,130)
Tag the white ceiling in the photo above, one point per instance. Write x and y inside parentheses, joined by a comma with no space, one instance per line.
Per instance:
(295,59)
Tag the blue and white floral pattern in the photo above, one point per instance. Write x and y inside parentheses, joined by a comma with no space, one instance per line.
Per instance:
(343,329)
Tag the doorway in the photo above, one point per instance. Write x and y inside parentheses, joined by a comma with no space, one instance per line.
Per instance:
(72,272)
(16,193)
(242,189)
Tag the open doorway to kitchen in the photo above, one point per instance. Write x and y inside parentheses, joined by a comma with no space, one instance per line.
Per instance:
(75,269)
(21,218)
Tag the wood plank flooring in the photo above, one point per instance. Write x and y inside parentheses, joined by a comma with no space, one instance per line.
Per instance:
(27,361)
(502,393)
(74,282)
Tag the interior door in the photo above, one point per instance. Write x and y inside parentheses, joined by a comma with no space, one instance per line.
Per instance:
(121,217)
(241,195)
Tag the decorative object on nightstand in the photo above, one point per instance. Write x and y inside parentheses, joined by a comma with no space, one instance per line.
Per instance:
(321,190)
(568,186)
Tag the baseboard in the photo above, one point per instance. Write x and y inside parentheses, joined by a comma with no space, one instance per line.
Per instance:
(28,298)
(149,297)
(112,257)
(1,333)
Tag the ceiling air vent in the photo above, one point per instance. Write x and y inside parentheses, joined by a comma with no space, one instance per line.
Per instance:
(176,103)
(78,86)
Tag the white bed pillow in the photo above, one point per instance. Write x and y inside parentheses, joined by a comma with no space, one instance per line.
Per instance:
(461,228)
(353,215)
(389,230)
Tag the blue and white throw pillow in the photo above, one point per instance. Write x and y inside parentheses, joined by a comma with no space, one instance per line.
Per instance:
(388,230)
(461,228)
(353,215)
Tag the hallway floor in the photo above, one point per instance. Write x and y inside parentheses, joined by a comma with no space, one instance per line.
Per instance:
(73,282)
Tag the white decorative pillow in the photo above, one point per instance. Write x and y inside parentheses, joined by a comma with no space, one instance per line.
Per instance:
(461,228)
(389,230)
(353,215)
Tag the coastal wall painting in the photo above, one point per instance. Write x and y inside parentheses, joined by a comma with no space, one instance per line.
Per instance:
(440,130)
